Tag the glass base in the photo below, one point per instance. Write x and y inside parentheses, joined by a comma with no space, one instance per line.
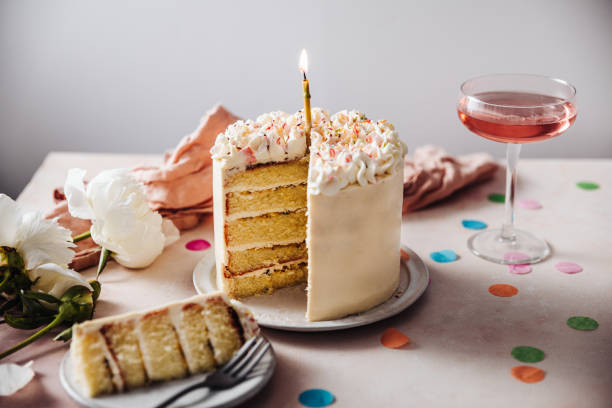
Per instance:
(491,246)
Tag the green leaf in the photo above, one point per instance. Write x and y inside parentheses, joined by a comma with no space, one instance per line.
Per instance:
(26,322)
(41,296)
(65,335)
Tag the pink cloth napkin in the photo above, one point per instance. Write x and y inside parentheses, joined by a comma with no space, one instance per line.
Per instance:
(431,174)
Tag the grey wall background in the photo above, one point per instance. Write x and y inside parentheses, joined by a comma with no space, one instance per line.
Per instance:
(135,76)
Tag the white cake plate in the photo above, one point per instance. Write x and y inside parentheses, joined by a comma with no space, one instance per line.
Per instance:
(285,309)
(156,393)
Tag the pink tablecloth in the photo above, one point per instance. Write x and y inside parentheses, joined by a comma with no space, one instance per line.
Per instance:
(462,336)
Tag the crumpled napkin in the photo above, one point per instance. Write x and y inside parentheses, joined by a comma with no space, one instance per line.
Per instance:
(431,174)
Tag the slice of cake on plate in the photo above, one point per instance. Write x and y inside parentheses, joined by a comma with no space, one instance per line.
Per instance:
(196,335)
(328,214)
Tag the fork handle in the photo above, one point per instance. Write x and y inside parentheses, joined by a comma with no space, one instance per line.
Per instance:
(180,394)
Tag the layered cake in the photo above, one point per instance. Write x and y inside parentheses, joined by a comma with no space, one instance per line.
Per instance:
(196,335)
(328,214)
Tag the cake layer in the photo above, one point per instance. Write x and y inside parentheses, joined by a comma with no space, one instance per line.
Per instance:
(252,203)
(266,176)
(266,230)
(240,262)
(266,283)
(127,351)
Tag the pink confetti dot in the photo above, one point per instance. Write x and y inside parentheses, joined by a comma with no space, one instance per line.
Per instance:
(197,245)
(529,204)
(515,256)
(568,267)
(519,269)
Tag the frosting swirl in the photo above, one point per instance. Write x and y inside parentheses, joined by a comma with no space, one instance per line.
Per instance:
(352,149)
(346,148)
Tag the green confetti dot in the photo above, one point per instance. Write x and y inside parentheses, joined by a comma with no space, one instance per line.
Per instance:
(527,354)
(582,323)
(587,185)
(497,197)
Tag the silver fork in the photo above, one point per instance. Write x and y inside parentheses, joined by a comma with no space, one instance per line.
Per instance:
(231,373)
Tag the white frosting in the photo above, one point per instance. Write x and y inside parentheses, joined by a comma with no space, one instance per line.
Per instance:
(346,148)
(352,149)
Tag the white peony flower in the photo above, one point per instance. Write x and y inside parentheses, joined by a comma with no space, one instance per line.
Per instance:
(122,221)
(37,240)
(14,377)
(55,279)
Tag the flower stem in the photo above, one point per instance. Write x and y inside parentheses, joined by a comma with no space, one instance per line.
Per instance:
(103,259)
(82,236)
(59,318)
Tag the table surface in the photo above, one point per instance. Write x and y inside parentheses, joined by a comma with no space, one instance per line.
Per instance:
(461,335)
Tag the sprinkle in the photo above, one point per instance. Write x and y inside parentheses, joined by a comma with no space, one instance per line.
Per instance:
(332,153)
(515,256)
(527,354)
(497,197)
(444,256)
(582,323)
(568,267)
(587,185)
(394,339)
(197,245)
(519,269)
(503,290)
(316,397)
(404,255)
(473,224)
(529,204)
(528,374)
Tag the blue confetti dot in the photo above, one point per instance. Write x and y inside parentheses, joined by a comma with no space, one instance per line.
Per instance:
(446,255)
(316,398)
(474,224)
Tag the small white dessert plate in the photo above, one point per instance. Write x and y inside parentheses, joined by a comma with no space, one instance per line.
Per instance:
(285,309)
(155,394)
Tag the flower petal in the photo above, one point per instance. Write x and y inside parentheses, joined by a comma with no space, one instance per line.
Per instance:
(10,217)
(74,189)
(43,241)
(14,377)
(56,280)
(170,231)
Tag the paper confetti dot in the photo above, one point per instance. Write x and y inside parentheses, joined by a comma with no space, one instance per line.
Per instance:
(529,204)
(404,255)
(316,398)
(519,269)
(528,374)
(503,290)
(527,354)
(587,185)
(197,245)
(515,256)
(582,323)
(568,267)
(497,197)
(474,224)
(443,256)
(393,338)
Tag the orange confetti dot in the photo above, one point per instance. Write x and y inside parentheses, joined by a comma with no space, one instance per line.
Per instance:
(528,374)
(404,255)
(393,338)
(503,290)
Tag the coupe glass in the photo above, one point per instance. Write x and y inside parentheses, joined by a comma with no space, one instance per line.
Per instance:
(514,109)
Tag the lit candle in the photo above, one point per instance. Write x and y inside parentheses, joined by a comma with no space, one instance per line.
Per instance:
(306,87)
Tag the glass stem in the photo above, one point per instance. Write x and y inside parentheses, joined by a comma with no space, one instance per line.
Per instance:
(512,157)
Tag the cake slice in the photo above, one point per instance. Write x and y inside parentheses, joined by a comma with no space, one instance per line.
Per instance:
(199,334)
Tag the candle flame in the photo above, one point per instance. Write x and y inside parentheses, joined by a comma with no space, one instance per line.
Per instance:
(304,62)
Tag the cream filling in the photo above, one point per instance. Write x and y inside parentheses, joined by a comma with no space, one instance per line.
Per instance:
(250,214)
(244,247)
(112,364)
(263,271)
(272,186)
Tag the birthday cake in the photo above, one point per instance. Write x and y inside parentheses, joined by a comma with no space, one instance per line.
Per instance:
(117,353)
(326,212)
